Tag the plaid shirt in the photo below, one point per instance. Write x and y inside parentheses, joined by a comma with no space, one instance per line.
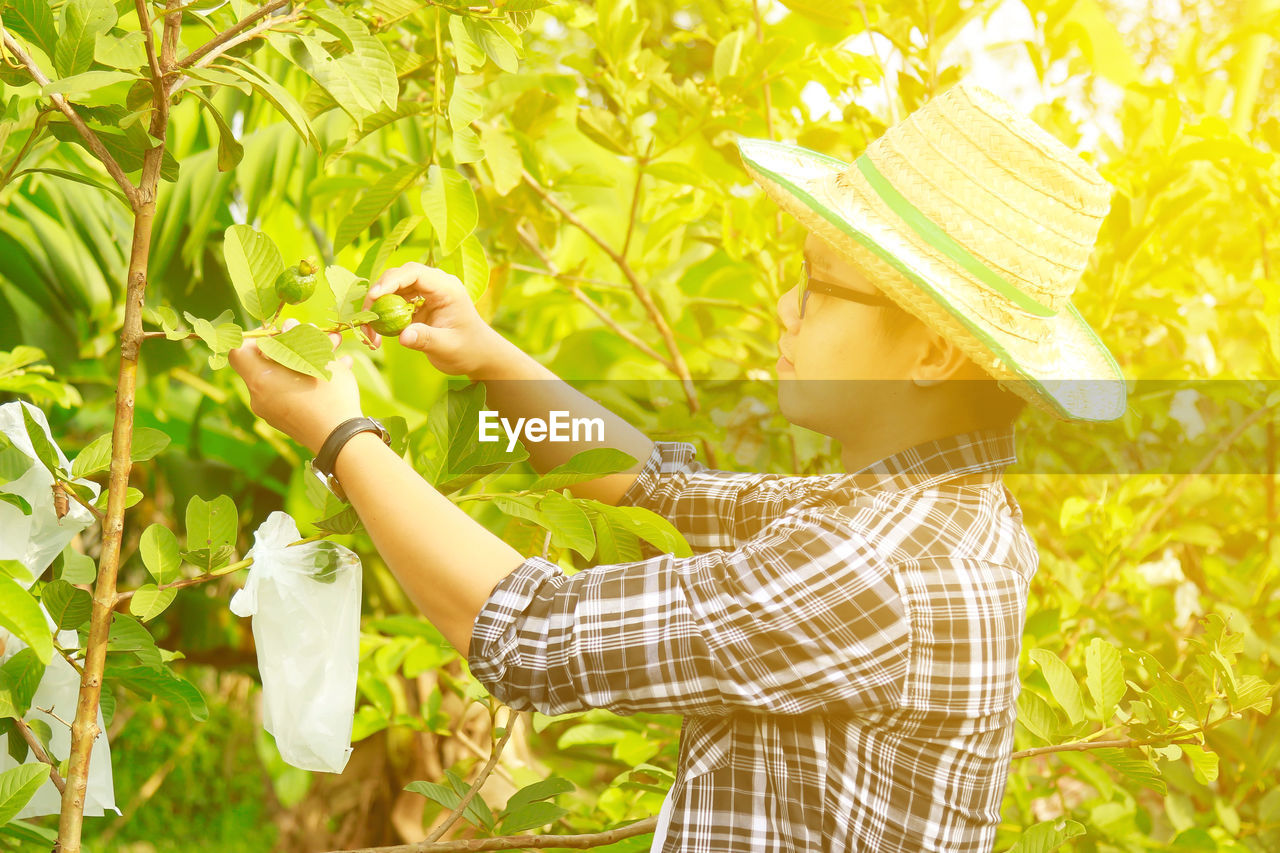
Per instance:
(844,648)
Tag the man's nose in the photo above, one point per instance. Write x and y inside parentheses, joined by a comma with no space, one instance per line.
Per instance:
(788,307)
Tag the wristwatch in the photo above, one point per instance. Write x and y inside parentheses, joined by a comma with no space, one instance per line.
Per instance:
(328,456)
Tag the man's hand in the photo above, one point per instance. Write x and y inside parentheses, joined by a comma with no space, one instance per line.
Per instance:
(303,407)
(446,326)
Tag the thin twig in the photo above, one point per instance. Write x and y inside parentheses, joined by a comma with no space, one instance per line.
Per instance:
(596,309)
(91,139)
(680,368)
(1182,736)
(475,786)
(144,20)
(50,712)
(37,749)
(99,514)
(522,842)
(222,38)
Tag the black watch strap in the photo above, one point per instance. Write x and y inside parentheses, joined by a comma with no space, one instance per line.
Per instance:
(342,433)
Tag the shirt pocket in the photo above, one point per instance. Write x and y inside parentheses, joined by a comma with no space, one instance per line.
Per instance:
(966,619)
(706,744)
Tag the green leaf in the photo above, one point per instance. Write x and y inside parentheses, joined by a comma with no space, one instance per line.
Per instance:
(344,522)
(614,543)
(18,786)
(467,52)
(21,615)
(220,334)
(162,683)
(374,201)
(496,40)
(1063,685)
(569,525)
(1104,676)
(19,680)
(211,524)
(77,568)
(131,498)
(1047,836)
(728,56)
(15,570)
(95,457)
(348,291)
(465,105)
(530,816)
(130,636)
(470,265)
(502,159)
(82,22)
(159,548)
(17,501)
(279,98)
(253,263)
(1036,716)
(148,601)
(44,449)
(1204,764)
(32,20)
(230,151)
(84,84)
(13,462)
(587,465)
(303,348)
(450,205)
(147,443)
(543,789)
(68,606)
(126,50)
(466,146)
(1133,765)
(449,799)
(367,51)
(646,525)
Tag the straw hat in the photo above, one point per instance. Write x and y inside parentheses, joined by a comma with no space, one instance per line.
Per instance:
(977,221)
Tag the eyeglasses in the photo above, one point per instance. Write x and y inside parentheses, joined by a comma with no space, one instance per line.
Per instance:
(808,285)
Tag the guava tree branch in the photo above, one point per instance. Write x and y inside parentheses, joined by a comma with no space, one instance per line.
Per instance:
(596,309)
(642,293)
(37,749)
(522,842)
(91,139)
(475,786)
(229,38)
(1180,736)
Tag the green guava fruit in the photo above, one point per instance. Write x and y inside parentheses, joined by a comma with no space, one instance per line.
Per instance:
(394,314)
(297,283)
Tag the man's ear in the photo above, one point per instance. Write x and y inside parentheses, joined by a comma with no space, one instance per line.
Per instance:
(940,360)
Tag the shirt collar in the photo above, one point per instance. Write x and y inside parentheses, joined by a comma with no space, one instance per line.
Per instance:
(976,457)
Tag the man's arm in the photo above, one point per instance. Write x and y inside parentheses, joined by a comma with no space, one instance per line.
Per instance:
(450,332)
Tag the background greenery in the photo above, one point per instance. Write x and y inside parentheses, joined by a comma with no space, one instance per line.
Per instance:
(596,207)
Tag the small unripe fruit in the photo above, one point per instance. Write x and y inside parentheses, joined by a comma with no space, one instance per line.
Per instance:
(297,283)
(394,314)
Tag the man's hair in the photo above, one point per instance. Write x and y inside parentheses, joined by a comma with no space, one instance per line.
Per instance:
(987,401)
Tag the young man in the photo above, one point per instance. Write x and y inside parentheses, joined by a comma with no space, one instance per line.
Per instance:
(844,648)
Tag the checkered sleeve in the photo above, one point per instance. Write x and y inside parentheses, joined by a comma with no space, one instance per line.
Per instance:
(801,619)
(713,508)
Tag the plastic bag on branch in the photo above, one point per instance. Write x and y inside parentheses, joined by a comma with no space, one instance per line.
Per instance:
(59,692)
(305,604)
(35,539)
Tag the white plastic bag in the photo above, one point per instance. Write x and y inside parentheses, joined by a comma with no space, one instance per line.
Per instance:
(35,539)
(59,691)
(305,604)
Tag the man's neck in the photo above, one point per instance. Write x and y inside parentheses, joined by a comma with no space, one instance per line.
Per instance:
(882,441)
